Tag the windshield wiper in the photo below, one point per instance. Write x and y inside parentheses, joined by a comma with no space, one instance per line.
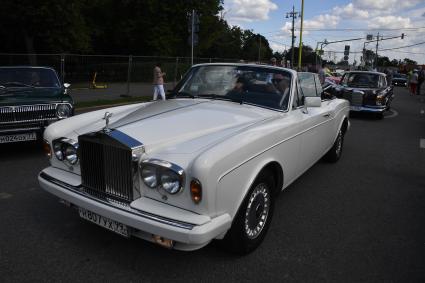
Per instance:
(185,94)
(16,84)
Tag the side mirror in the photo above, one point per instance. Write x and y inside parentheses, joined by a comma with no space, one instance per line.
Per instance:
(66,85)
(312,101)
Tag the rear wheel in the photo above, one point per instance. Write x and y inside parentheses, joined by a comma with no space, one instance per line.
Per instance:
(253,218)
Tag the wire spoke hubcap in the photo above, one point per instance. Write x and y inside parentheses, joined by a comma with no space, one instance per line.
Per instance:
(257,211)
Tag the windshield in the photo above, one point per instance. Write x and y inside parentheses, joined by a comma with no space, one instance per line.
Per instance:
(399,76)
(28,77)
(243,84)
(361,80)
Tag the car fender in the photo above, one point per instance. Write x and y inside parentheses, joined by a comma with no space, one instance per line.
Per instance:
(234,185)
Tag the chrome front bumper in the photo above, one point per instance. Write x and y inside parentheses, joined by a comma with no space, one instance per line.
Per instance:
(189,230)
(376,109)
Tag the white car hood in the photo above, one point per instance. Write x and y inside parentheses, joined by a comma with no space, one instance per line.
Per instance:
(187,125)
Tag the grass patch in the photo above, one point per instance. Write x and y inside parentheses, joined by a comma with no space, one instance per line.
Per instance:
(102,102)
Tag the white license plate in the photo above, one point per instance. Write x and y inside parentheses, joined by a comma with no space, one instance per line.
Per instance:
(355,108)
(107,223)
(18,137)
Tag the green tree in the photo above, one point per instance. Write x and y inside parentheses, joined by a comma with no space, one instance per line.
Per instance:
(43,26)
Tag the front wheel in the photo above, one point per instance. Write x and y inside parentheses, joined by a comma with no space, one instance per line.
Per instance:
(334,154)
(253,218)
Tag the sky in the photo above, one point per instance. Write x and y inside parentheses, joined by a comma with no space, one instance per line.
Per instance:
(335,20)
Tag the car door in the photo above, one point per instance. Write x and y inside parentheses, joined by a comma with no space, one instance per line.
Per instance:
(316,125)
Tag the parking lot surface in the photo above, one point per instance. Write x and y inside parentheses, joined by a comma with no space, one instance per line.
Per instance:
(361,219)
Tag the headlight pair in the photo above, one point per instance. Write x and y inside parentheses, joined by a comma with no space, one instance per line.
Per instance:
(63,111)
(160,174)
(66,150)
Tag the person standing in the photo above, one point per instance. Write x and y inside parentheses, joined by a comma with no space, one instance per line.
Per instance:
(322,74)
(421,79)
(413,82)
(158,82)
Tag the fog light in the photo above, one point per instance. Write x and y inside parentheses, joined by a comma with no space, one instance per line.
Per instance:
(196,191)
(166,243)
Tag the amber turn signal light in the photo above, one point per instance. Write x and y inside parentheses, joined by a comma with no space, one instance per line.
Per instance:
(47,149)
(196,191)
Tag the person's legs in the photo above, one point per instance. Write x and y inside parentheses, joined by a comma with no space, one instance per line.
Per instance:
(418,88)
(155,92)
(414,88)
(161,91)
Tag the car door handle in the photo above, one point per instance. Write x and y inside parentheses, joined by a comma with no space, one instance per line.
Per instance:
(327,115)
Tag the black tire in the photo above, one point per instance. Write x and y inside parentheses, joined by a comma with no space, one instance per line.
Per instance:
(334,154)
(380,115)
(247,231)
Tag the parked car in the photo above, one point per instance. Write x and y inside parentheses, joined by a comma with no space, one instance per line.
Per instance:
(367,92)
(30,99)
(205,164)
(399,79)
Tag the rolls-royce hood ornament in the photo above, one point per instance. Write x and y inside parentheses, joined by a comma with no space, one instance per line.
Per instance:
(106,117)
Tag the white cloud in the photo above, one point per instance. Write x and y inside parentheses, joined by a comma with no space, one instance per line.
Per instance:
(385,4)
(249,10)
(389,22)
(322,21)
(350,11)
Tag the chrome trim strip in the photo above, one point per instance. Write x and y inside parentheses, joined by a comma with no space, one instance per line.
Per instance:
(367,109)
(128,209)
(125,139)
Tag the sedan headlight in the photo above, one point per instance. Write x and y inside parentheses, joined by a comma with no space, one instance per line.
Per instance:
(66,150)
(63,111)
(158,174)
(149,176)
(170,181)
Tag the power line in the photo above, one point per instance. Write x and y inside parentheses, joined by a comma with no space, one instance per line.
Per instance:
(400,47)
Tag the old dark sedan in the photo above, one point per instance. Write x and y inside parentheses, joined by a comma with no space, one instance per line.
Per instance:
(30,99)
(366,91)
(399,79)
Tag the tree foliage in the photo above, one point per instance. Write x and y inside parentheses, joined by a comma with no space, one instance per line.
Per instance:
(139,27)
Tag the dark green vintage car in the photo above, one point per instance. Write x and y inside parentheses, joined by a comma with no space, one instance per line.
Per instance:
(31,98)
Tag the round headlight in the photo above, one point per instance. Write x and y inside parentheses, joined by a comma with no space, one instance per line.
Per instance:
(148,175)
(63,111)
(57,149)
(70,154)
(170,181)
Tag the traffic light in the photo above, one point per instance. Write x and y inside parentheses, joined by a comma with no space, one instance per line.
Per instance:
(347,50)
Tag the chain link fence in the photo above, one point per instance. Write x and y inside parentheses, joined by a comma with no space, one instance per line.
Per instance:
(94,77)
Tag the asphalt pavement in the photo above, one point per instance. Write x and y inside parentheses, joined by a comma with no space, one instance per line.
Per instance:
(359,220)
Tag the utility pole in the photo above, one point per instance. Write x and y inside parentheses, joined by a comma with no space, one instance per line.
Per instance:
(192,29)
(301,36)
(376,52)
(292,15)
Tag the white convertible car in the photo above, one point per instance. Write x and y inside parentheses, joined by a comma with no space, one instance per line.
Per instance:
(208,163)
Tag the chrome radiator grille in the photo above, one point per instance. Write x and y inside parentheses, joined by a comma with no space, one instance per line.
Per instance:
(27,113)
(106,167)
(356,99)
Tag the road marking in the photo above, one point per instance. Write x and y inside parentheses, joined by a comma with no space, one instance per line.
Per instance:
(422,143)
(5,195)
(394,114)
